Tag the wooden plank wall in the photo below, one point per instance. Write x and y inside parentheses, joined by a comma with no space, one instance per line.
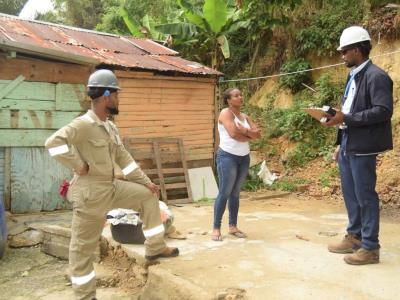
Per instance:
(35,179)
(32,111)
(162,106)
(37,97)
(2,167)
(42,70)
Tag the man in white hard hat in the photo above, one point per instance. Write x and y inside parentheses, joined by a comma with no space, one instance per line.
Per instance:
(364,132)
(106,177)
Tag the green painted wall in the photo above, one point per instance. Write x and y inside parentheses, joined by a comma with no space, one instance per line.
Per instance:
(29,113)
(35,179)
(2,175)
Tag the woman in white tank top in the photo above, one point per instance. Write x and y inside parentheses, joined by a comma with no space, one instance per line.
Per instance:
(233,159)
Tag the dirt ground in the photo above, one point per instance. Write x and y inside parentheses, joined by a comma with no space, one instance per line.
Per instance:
(323,181)
(28,273)
(284,257)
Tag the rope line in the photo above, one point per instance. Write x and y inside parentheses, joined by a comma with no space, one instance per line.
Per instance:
(302,71)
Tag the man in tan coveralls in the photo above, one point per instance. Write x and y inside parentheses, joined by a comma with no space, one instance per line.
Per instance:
(106,177)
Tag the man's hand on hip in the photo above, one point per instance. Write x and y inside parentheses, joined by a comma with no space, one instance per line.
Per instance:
(82,170)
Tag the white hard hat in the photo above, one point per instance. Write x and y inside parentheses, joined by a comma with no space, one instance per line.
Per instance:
(103,78)
(352,35)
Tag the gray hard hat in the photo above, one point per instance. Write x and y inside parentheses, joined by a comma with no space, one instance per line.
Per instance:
(103,78)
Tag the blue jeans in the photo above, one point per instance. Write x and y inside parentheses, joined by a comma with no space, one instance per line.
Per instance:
(232,172)
(358,177)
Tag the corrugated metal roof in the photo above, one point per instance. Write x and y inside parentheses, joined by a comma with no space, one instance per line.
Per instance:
(102,48)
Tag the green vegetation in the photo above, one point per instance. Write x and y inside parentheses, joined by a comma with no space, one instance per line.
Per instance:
(288,184)
(311,139)
(205,201)
(295,81)
(328,175)
(253,182)
(321,32)
(12,6)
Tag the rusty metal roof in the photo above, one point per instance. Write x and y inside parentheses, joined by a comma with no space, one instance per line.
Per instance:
(81,45)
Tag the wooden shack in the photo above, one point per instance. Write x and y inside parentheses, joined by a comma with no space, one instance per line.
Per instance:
(43,73)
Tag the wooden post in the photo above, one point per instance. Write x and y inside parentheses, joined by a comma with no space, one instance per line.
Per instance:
(185,169)
(157,157)
(7,178)
(216,115)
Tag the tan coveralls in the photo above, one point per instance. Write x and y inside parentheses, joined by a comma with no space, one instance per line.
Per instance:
(88,139)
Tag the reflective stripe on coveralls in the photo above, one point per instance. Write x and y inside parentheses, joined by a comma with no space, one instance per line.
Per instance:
(59,150)
(131,167)
(82,279)
(153,231)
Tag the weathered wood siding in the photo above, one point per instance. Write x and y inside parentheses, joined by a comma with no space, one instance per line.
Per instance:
(31,111)
(37,98)
(2,167)
(42,70)
(161,106)
(35,179)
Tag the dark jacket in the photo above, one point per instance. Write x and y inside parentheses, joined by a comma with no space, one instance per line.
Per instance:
(368,123)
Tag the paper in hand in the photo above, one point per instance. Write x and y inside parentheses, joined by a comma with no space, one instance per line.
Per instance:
(322,114)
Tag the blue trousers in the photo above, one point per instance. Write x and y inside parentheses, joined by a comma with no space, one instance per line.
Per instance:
(232,172)
(358,177)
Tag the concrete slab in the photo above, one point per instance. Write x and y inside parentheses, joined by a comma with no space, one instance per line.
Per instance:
(203,183)
(284,257)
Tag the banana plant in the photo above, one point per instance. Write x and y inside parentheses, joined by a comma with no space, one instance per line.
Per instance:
(132,25)
(207,26)
(144,29)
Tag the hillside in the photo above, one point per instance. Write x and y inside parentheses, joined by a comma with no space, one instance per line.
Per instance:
(298,147)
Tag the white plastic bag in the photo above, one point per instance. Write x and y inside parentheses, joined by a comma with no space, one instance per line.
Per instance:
(123,216)
(265,175)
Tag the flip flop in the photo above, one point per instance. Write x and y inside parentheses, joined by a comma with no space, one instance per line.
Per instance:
(217,238)
(239,234)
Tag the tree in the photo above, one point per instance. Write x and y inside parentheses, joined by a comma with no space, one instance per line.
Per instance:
(263,17)
(136,10)
(12,7)
(203,27)
(80,13)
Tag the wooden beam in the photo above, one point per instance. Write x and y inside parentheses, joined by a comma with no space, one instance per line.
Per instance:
(30,91)
(136,75)
(185,170)
(7,178)
(159,169)
(40,70)
(11,86)
(50,53)
(179,185)
(23,137)
(30,119)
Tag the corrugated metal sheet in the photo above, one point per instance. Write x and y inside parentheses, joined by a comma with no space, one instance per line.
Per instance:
(105,48)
